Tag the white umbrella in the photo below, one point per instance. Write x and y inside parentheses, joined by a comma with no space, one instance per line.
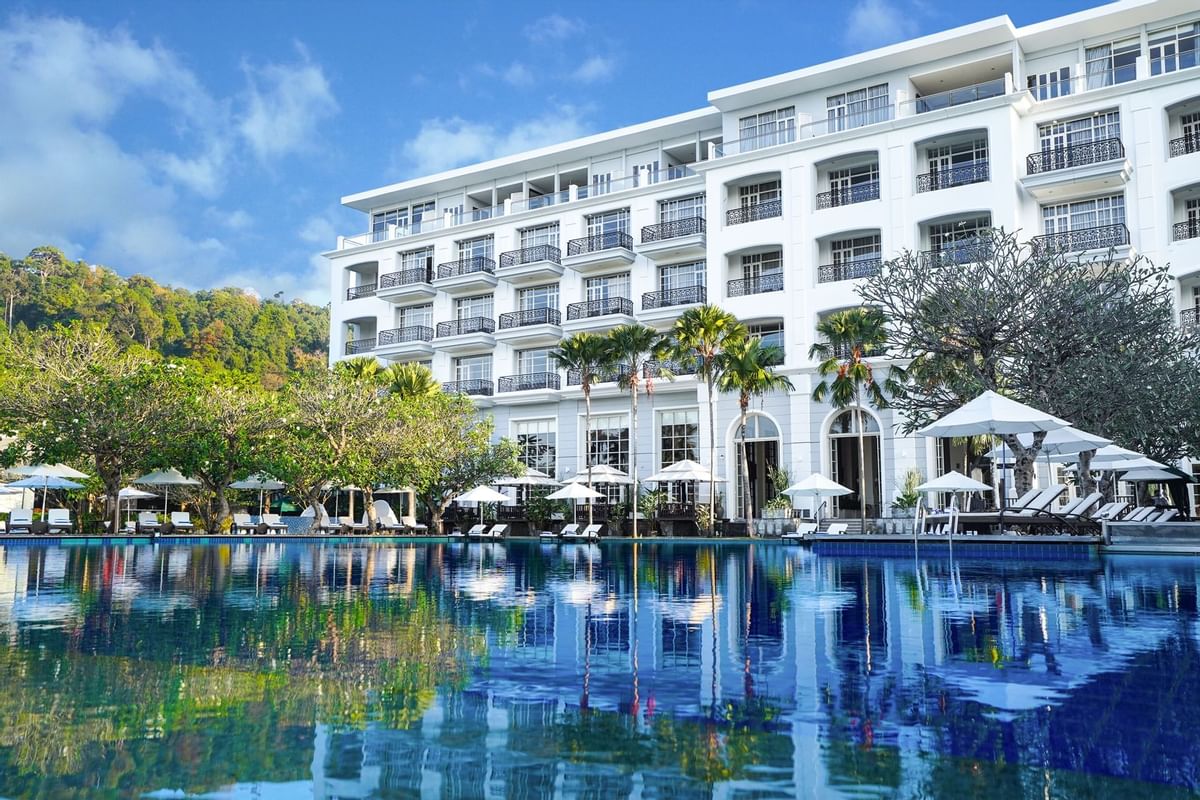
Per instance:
(817,485)
(531,477)
(264,483)
(1058,442)
(601,473)
(481,495)
(573,492)
(132,493)
(685,470)
(166,478)
(1109,454)
(1150,475)
(45,483)
(953,481)
(47,471)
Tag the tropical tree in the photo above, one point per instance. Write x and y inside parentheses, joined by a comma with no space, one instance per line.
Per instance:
(630,348)
(362,368)
(747,367)
(589,356)
(699,337)
(409,380)
(846,339)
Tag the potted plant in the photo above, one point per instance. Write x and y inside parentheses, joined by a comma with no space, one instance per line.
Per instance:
(905,504)
(649,505)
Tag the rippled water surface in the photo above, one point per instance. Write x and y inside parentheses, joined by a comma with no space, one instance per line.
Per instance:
(406,669)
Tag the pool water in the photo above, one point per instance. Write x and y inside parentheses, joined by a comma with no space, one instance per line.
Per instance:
(660,670)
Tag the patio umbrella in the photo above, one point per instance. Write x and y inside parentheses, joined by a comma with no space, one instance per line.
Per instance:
(685,470)
(1062,441)
(48,471)
(601,473)
(481,495)
(574,492)
(531,477)
(814,486)
(45,483)
(133,493)
(264,483)
(1155,475)
(166,478)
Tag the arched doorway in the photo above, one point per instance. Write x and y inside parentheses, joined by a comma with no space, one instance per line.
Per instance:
(762,450)
(845,466)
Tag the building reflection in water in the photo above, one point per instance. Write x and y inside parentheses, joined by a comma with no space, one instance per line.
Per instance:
(655,669)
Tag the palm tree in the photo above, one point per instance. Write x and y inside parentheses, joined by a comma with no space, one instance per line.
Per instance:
(630,348)
(409,380)
(699,336)
(849,338)
(747,367)
(588,355)
(359,367)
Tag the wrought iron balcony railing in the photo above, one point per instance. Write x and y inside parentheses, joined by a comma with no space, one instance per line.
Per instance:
(1189,318)
(755,211)
(674,297)
(960,175)
(772,282)
(475,387)
(410,333)
(1101,237)
(466,266)
(849,270)
(405,277)
(533,380)
(531,316)
(599,308)
(601,241)
(362,290)
(1184,145)
(1189,229)
(575,377)
(458,327)
(529,255)
(963,251)
(356,346)
(1076,155)
(673,366)
(848,195)
(673,229)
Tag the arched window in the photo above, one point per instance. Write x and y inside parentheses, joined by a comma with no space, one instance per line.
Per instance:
(759,426)
(846,423)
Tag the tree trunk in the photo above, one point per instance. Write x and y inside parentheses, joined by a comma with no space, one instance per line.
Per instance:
(369,507)
(862,470)
(633,450)
(222,506)
(712,458)
(1024,459)
(747,502)
(1087,482)
(112,499)
(587,441)
(436,509)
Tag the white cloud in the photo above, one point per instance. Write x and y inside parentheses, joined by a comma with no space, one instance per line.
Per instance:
(874,23)
(553,27)
(595,69)
(318,231)
(236,220)
(445,143)
(284,105)
(517,74)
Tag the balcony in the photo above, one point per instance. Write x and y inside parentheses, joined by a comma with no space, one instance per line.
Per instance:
(403,344)
(362,290)
(356,347)
(1184,145)
(1077,170)
(475,387)
(575,377)
(849,270)
(754,212)
(529,381)
(849,195)
(668,298)
(960,175)
(964,251)
(599,315)
(656,370)
(681,238)
(531,265)
(530,328)
(760,284)
(467,335)
(1189,318)
(466,276)
(955,97)
(1189,229)
(601,252)
(406,286)
(1103,237)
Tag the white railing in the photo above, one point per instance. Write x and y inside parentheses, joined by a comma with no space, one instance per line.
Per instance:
(996,87)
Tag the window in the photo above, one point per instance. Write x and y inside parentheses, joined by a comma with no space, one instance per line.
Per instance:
(480,247)
(756,193)
(681,208)
(420,212)
(1092,128)
(856,108)
(767,128)
(679,439)
(608,441)
(538,297)
(756,265)
(413,316)
(1191,208)
(770,333)
(383,220)
(1189,124)
(616,221)
(946,157)
(860,248)
(1112,63)
(542,234)
(1055,83)
(607,286)
(843,180)
(478,306)
(1173,48)
(534,362)
(473,368)
(1094,213)
(537,444)
(417,259)
(681,276)
(949,236)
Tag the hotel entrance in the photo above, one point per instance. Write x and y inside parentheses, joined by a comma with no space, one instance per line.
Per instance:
(762,450)
(846,465)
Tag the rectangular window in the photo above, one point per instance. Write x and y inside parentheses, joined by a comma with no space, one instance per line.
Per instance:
(417,259)
(1192,209)
(960,154)
(681,208)
(608,441)
(681,276)
(381,221)
(679,439)
(537,441)
(767,128)
(532,362)
(842,180)
(1097,212)
(771,333)
(413,316)
(1189,125)
(1174,48)
(856,108)
(479,247)
(542,234)
(756,265)
(607,286)
(1055,83)
(538,297)
(960,233)
(860,248)
(757,193)
(469,307)
(1112,63)
(420,212)
(1082,130)
(615,221)
(473,368)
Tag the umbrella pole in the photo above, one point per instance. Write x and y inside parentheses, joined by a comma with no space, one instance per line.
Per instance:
(45,493)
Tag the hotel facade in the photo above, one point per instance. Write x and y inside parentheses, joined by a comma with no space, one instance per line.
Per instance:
(1082,132)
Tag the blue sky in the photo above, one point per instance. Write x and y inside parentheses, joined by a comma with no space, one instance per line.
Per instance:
(208,143)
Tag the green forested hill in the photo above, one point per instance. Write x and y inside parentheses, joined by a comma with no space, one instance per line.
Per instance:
(220,327)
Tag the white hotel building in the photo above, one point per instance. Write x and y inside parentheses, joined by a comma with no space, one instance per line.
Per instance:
(770,202)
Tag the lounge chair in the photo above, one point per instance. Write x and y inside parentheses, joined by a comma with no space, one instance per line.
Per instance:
(274,523)
(803,531)
(411,524)
(1138,514)
(592,532)
(148,521)
(836,529)
(1166,515)
(568,531)
(20,519)
(385,518)
(497,531)
(182,520)
(242,523)
(477,531)
(59,519)
(1110,511)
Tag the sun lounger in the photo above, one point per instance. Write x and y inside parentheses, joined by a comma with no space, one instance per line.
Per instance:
(411,524)
(568,531)
(148,521)
(477,531)
(274,523)
(242,523)
(497,531)
(803,531)
(182,520)
(1138,514)
(20,519)
(1109,511)
(59,519)
(836,529)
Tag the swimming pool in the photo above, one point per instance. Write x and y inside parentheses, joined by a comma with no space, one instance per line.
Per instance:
(521,669)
